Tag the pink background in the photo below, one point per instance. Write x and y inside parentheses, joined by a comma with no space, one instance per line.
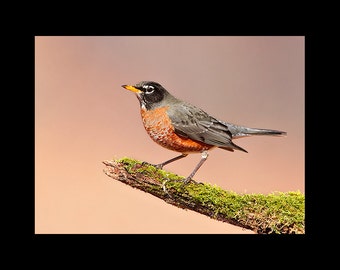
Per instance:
(83,116)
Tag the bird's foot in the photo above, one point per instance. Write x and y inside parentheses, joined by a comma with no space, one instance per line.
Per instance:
(188,180)
(158,166)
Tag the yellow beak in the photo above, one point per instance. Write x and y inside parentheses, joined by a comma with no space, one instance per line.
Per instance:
(132,88)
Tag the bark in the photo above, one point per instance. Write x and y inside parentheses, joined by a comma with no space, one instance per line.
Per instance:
(176,193)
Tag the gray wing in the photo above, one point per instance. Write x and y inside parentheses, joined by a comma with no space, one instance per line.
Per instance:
(192,122)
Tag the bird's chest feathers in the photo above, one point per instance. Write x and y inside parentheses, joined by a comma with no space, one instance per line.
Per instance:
(157,122)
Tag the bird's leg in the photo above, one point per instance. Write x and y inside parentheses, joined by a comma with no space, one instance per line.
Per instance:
(160,166)
(203,158)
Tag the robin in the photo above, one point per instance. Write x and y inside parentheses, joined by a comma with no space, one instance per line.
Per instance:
(182,127)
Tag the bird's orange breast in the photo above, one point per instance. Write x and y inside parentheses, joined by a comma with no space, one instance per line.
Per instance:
(159,127)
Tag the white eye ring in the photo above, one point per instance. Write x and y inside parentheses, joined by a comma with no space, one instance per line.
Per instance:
(148,89)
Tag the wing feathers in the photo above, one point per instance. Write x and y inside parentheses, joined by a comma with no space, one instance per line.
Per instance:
(192,122)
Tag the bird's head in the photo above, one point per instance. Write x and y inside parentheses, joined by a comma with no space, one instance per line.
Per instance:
(150,94)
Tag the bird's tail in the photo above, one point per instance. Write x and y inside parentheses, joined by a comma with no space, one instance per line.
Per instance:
(240,131)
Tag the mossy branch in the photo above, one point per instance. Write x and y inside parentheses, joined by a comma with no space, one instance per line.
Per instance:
(280,212)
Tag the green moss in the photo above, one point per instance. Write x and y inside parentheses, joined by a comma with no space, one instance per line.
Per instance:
(129,163)
(278,212)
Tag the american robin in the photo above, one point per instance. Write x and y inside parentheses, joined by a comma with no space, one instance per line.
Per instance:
(182,127)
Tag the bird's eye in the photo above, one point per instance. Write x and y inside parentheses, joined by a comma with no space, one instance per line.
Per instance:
(148,89)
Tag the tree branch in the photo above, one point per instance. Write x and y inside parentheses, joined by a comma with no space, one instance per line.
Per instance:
(248,211)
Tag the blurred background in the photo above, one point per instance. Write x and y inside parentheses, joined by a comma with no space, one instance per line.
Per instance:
(83,116)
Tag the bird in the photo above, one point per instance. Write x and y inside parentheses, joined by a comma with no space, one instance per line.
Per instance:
(182,127)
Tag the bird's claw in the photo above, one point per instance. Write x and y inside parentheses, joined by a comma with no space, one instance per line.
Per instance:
(158,166)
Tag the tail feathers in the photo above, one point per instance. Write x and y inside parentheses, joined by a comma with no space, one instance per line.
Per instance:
(238,132)
(241,131)
(259,131)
